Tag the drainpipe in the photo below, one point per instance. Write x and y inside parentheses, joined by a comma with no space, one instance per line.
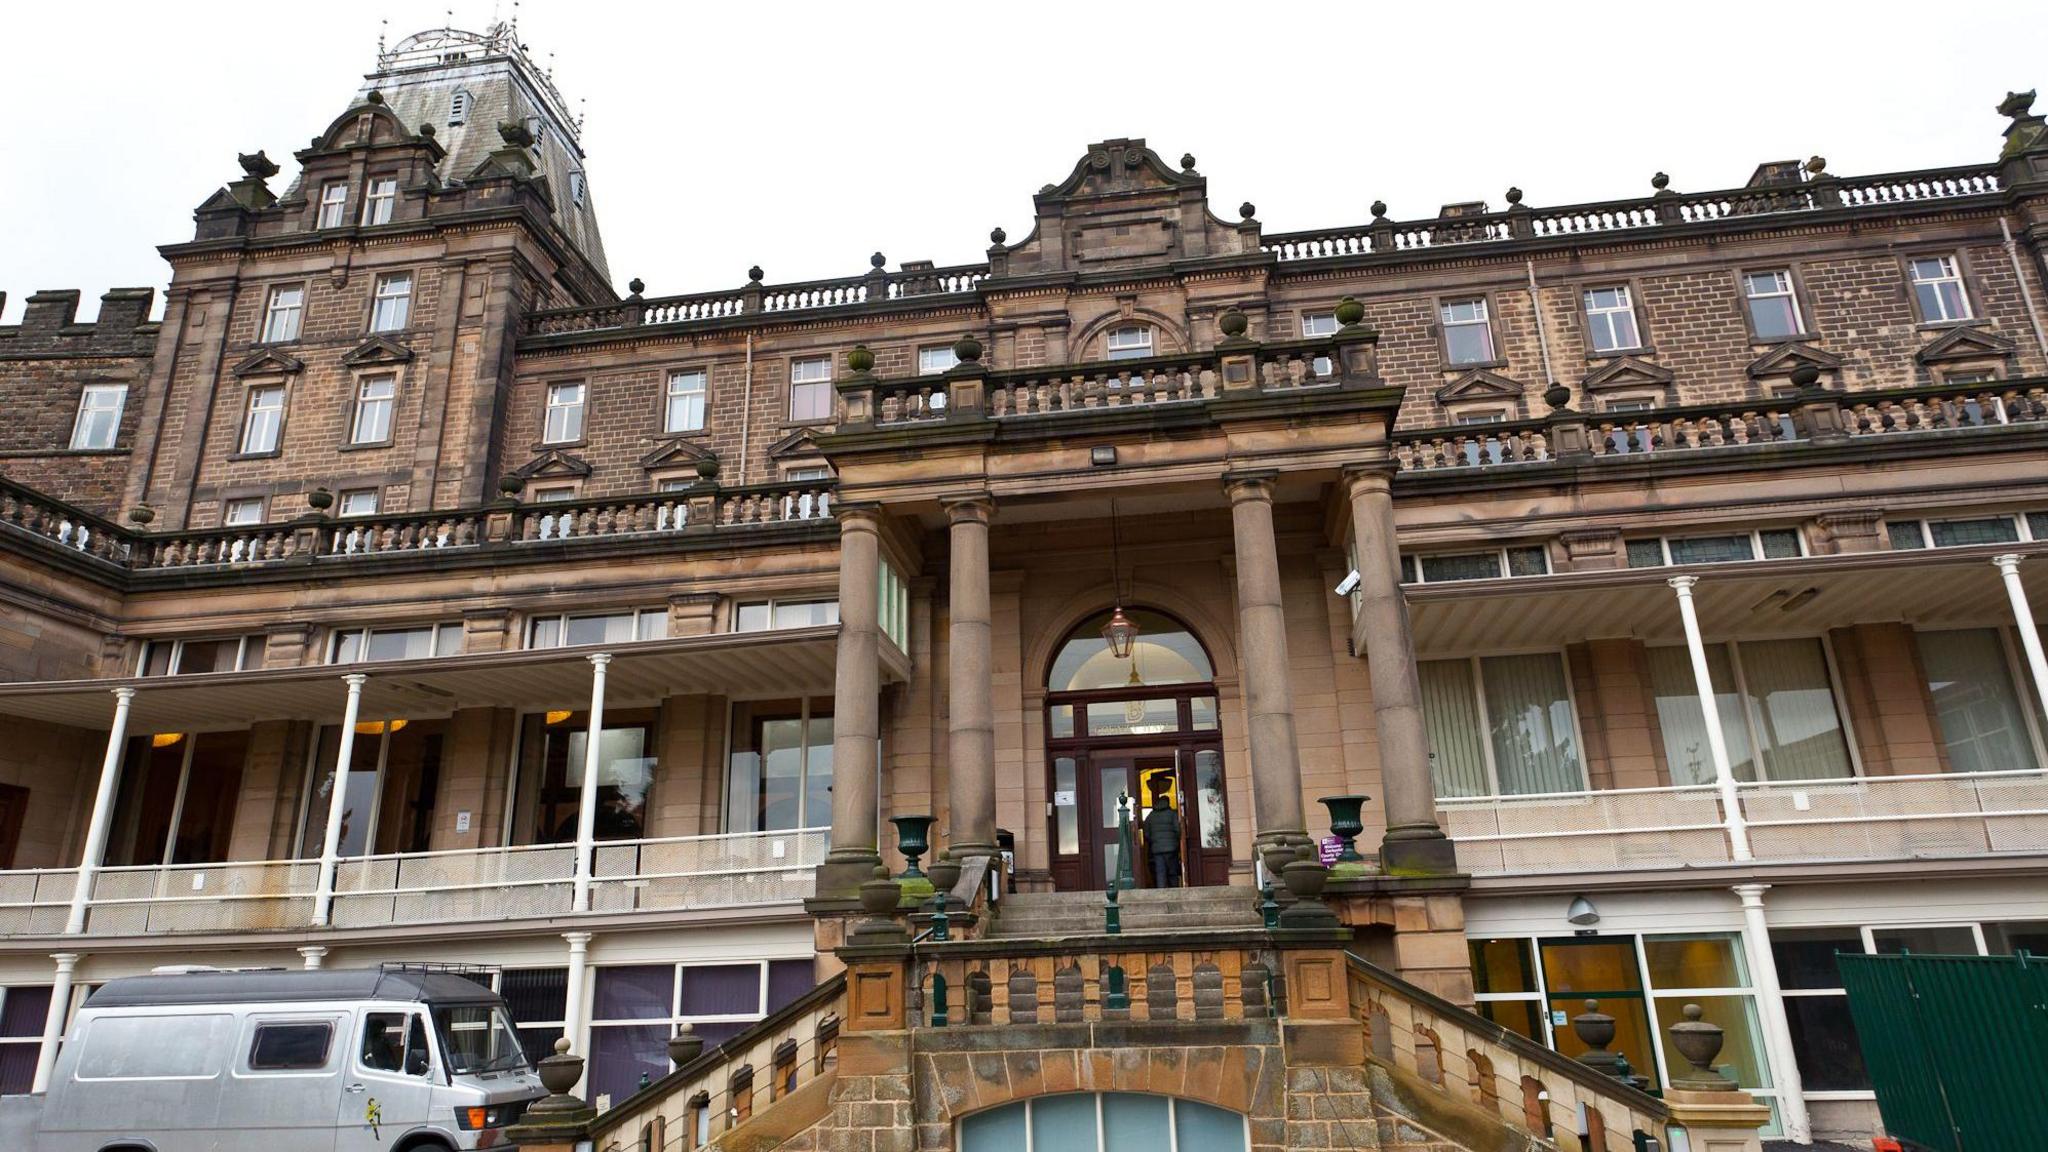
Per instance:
(1542,336)
(2012,253)
(746,407)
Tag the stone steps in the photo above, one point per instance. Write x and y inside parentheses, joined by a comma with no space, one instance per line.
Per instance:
(1053,914)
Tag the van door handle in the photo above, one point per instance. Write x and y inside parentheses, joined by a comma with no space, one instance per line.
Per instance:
(354,1088)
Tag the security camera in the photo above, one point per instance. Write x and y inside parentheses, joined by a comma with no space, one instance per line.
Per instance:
(1348,585)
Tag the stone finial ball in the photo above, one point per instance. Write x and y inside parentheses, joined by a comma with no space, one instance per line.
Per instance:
(1379,209)
(996,235)
(1514,195)
(375,97)
(1233,322)
(1660,181)
(860,359)
(561,1046)
(1805,376)
(1350,311)
(754,273)
(967,348)
(1558,397)
(1187,161)
(510,484)
(877,260)
(636,286)
(428,131)
(1247,210)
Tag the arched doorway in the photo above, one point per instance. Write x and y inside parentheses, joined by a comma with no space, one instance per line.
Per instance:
(1142,725)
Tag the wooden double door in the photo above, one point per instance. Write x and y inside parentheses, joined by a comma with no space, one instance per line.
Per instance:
(1087,783)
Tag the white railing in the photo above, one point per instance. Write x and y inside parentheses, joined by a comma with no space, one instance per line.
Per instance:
(676,874)
(1863,818)
(1615,830)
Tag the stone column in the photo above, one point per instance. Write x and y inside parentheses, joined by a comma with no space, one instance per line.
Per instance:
(856,707)
(102,813)
(1415,843)
(55,1018)
(970,716)
(1770,1004)
(1262,647)
(575,1017)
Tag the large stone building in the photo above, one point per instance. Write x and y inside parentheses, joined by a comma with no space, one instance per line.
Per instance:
(1659,569)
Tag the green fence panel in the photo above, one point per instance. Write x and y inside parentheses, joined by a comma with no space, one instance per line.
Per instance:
(1957,1047)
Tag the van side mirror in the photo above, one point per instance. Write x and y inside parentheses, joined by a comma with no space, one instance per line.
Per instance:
(416,1062)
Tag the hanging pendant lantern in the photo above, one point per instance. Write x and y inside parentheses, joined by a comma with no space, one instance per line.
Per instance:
(1120,633)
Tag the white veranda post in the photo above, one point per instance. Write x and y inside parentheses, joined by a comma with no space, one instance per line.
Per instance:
(337,802)
(586,814)
(102,813)
(1710,714)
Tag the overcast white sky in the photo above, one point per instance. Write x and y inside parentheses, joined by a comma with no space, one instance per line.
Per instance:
(807,136)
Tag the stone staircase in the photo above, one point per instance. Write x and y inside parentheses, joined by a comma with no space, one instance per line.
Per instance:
(1058,915)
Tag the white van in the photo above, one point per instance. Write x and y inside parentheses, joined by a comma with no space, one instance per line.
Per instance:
(342,1060)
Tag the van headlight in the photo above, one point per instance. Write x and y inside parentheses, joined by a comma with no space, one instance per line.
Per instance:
(475,1117)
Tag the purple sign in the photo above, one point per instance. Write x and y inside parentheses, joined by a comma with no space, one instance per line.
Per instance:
(1331,848)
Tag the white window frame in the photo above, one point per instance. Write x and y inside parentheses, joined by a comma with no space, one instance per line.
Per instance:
(1925,525)
(1602,318)
(391,303)
(242,649)
(1128,342)
(35,1041)
(813,374)
(1756,546)
(2022,682)
(929,359)
(1482,319)
(1480,417)
(695,401)
(284,313)
(97,424)
(363,636)
(576,187)
(231,512)
(675,999)
(1571,696)
(645,620)
(554,494)
(1630,404)
(771,604)
(1315,324)
(1783,288)
(379,411)
(458,107)
(264,418)
(349,502)
(562,412)
(333,204)
(380,198)
(1950,272)
(1500,555)
(1753,720)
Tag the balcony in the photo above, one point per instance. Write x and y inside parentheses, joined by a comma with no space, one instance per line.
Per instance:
(674,875)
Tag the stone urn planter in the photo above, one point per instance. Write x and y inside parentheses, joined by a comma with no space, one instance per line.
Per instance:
(913,839)
(1347,820)
(320,499)
(1699,1042)
(945,873)
(1305,880)
(685,1045)
(878,897)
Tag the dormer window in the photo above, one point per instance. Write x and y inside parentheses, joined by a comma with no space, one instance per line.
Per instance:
(458,108)
(379,200)
(1133,342)
(333,203)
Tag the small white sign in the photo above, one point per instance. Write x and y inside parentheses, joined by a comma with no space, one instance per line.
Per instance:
(778,848)
(462,821)
(1558,1019)
(1063,799)
(199,881)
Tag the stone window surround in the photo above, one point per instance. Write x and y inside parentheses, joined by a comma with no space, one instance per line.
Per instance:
(1437,301)
(319,203)
(262,499)
(1801,300)
(1580,287)
(531,493)
(1456,410)
(377,279)
(85,388)
(269,292)
(355,395)
(541,442)
(370,181)
(1966,272)
(1656,396)
(789,383)
(284,416)
(665,372)
(1994,369)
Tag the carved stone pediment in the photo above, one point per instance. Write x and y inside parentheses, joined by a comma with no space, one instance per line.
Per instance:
(677,454)
(553,464)
(1481,384)
(377,350)
(1965,343)
(269,362)
(802,442)
(1124,207)
(1626,372)
(1780,361)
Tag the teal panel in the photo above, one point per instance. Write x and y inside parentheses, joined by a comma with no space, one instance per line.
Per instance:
(1204,1128)
(996,1130)
(1063,1122)
(1134,1123)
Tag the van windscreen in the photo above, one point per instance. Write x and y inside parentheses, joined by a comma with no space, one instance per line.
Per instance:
(181,1047)
(478,1038)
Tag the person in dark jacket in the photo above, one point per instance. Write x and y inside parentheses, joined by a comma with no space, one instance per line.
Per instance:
(1162,840)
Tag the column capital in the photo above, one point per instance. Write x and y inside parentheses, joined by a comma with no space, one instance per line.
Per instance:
(66,961)
(577,940)
(968,507)
(1369,476)
(1683,584)
(857,516)
(1251,484)
(2007,562)
(599,659)
(1751,895)
(355,680)
(123,695)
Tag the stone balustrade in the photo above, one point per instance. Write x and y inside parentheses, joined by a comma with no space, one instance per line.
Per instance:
(1013,982)
(1527,1086)
(70,528)
(877,286)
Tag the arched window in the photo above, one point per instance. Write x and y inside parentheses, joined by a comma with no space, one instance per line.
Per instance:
(1165,652)
(1128,342)
(1094,1122)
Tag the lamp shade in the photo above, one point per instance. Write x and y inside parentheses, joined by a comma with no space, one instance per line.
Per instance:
(1119,633)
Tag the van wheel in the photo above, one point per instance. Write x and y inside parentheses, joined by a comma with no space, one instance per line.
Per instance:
(425,1144)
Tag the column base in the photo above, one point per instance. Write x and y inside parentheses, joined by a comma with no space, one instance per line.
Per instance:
(1422,851)
(844,871)
(964,851)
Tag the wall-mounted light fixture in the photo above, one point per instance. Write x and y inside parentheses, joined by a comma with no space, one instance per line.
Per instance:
(1102,455)
(1582,912)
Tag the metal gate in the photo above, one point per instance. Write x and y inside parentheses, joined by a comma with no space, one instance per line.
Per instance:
(1957,1047)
